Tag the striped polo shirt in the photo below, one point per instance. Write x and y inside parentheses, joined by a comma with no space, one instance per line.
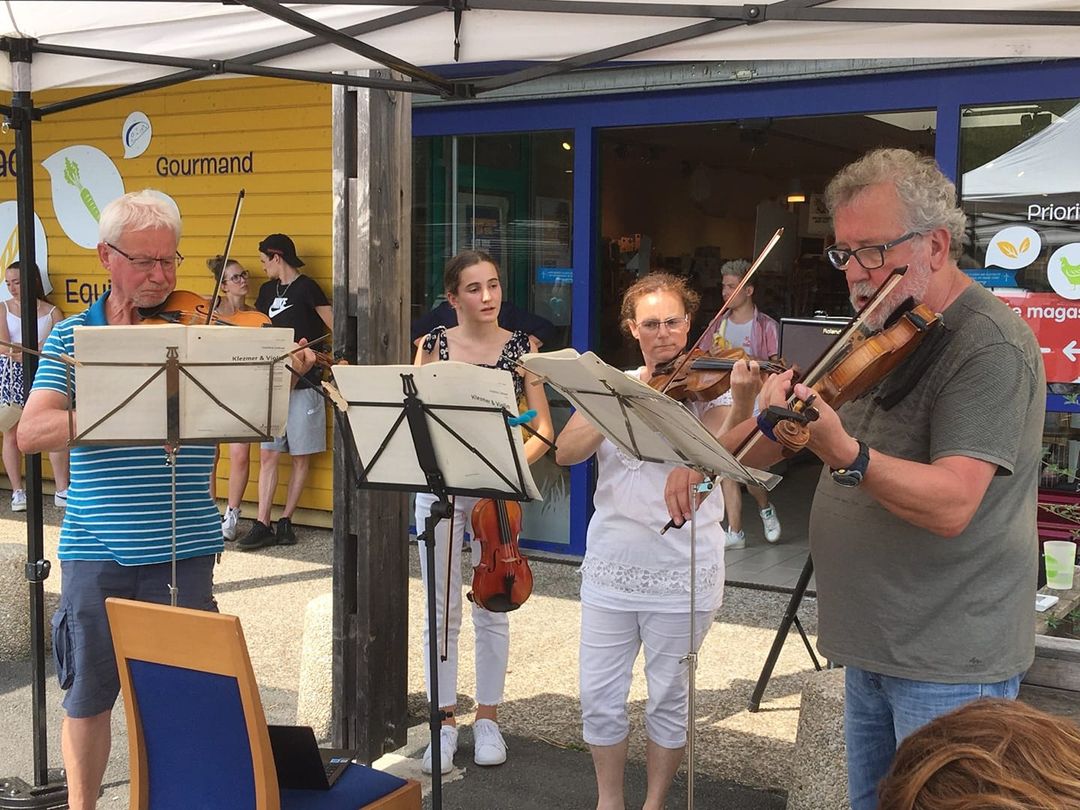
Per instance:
(120,498)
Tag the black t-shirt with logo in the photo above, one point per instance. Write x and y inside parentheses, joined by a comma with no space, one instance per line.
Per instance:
(293,306)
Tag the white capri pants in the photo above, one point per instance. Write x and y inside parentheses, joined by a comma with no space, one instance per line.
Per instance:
(492,629)
(610,640)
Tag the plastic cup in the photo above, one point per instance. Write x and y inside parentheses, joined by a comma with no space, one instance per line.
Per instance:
(1060,563)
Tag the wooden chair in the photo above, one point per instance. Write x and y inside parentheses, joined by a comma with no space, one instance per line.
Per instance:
(196,729)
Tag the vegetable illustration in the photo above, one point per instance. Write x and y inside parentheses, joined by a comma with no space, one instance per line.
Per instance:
(71,177)
(11,250)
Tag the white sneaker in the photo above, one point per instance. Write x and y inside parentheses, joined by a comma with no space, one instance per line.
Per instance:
(18,500)
(771,523)
(735,540)
(60,498)
(230,522)
(489,745)
(447,749)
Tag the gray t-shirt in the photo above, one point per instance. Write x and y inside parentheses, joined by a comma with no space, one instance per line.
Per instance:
(898,600)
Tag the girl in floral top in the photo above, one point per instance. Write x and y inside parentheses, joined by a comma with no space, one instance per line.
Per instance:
(473,288)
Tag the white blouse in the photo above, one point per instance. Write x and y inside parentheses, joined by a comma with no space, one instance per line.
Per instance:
(628,564)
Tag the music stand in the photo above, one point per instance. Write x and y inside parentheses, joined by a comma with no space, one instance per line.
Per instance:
(641,421)
(791,616)
(170,390)
(443,429)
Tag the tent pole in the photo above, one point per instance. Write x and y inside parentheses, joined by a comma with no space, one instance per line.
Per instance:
(49,789)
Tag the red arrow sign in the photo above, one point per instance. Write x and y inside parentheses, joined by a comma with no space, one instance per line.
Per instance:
(1056,323)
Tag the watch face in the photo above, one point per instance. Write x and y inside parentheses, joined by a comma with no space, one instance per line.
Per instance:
(847,478)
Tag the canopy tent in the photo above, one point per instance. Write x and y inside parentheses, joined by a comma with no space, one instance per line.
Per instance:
(1045,164)
(110,43)
(135,45)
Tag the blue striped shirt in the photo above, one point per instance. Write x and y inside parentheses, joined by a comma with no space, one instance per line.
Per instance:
(120,498)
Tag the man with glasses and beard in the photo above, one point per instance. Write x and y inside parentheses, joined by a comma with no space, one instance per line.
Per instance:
(923,527)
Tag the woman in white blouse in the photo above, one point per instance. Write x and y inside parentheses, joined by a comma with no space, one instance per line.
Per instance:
(635,588)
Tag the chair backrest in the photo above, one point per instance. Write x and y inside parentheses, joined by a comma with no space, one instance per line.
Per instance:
(196,728)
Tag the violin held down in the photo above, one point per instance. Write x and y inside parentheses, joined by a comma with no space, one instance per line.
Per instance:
(503,580)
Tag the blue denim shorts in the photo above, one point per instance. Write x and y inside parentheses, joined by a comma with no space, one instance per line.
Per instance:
(82,644)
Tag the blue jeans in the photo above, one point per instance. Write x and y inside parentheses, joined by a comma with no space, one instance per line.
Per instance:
(880,711)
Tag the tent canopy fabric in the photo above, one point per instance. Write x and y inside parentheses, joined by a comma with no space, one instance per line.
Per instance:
(542,31)
(1045,164)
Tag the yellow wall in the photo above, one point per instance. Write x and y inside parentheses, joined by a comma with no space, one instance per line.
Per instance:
(286,128)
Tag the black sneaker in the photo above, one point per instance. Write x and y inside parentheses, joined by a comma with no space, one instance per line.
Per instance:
(285,534)
(258,536)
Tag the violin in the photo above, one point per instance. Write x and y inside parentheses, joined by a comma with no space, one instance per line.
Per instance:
(703,376)
(503,580)
(191,309)
(863,362)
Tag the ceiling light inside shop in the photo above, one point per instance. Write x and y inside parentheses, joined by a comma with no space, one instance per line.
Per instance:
(566,145)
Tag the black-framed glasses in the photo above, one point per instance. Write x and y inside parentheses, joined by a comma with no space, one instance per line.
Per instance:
(672,324)
(870,257)
(146,264)
(241,276)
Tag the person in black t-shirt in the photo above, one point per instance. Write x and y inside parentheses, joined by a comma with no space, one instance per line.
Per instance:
(296,301)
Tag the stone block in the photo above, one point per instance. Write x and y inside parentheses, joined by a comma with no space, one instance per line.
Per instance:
(15,605)
(315,692)
(819,767)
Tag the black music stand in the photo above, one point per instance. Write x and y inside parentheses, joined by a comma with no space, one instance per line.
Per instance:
(421,429)
(791,617)
(186,398)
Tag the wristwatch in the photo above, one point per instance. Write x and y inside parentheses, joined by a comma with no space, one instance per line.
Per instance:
(853,474)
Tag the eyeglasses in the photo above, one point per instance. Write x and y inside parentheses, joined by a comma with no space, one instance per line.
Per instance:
(146,264)
(672,324)
(871,257)
(241,276)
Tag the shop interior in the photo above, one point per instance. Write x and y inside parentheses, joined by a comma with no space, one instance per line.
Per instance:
(688,198)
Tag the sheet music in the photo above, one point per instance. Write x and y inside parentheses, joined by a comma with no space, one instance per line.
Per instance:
(241,383)
(643,422)
(375,396)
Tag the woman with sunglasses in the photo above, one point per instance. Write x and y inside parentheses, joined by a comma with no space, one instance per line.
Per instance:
(635,582)
(472,285)
(232,298)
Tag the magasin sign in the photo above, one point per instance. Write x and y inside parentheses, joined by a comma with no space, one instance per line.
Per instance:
(1056,324)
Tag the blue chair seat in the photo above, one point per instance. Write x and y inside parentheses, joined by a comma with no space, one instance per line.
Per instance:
(359,786)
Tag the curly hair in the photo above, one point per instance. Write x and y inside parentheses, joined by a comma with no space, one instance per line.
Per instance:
(656,282)
(926,194)
(992,754)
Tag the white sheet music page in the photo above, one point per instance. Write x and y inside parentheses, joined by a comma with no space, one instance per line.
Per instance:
(469,445)
(643,422)
(238,375)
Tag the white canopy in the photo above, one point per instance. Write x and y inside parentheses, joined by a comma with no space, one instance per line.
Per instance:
(499,30)
(1045,164)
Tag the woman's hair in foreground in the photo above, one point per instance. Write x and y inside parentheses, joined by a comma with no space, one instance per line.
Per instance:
(652,283)
(991,754)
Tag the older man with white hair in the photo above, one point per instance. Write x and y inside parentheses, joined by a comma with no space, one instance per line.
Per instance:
(116,538)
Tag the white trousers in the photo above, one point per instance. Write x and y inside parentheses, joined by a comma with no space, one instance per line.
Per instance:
(492,629)
(610,640)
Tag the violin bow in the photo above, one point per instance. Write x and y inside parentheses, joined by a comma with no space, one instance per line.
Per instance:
(225,258)
(723,309)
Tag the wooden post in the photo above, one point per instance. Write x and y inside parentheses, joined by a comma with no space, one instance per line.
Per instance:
(372,209)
